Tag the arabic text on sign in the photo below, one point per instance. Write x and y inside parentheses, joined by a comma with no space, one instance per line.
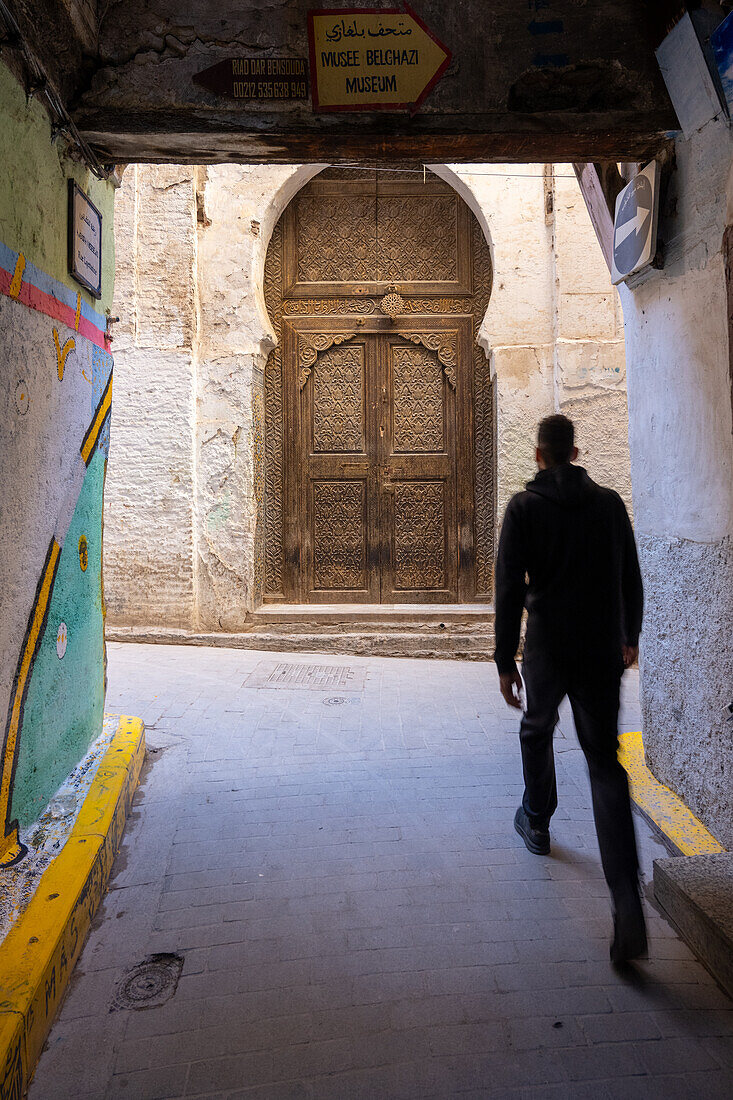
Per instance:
(343,29)
(366,59)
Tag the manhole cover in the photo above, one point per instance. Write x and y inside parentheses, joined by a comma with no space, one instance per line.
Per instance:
(149,984)
(334,701)
(298,675)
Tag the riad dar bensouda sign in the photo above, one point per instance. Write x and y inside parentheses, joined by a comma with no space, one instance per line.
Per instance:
(258,78)
(365,59)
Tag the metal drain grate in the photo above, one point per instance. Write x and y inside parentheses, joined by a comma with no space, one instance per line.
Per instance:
(324,677)
(296,675)
(149,984)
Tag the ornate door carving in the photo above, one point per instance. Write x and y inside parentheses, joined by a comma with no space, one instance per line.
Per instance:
(378,479)
(418,474)
(335,476)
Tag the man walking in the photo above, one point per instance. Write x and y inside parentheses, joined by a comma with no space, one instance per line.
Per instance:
(567,553)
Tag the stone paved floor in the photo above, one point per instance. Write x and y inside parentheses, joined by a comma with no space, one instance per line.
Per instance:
(357,916)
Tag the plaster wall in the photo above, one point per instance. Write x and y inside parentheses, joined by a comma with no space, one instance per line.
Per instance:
(677,341)
(589,352)
(552,332)
(239,208)
(55,370)
(149,500)
(553,328)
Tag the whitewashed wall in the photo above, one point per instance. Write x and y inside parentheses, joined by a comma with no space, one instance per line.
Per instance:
(677,339)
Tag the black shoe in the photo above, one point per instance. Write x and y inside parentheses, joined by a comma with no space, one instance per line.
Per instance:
(629,927)
(536,840)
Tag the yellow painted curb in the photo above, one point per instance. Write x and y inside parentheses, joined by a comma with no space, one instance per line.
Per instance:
(39,953)
(662,806)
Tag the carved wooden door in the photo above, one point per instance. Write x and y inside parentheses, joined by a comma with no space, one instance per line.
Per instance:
(378,447)
(375,494)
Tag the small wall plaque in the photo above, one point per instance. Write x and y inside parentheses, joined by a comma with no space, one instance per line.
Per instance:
(85,240)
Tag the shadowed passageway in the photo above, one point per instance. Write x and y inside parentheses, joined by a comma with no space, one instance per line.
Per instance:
(336,864)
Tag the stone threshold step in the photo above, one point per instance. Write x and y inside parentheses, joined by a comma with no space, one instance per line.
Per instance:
(696,893)
(407,644)
(479,628)
(372,634)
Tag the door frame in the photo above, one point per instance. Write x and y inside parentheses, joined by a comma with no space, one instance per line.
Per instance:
(303,337)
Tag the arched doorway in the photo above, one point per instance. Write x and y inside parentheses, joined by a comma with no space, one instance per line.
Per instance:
(379,411)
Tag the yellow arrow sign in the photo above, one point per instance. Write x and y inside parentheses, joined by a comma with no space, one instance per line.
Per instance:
(367,59)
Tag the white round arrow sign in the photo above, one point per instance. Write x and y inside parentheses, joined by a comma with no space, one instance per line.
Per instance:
(635,225)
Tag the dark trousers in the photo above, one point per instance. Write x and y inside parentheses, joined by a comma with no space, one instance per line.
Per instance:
(594,697)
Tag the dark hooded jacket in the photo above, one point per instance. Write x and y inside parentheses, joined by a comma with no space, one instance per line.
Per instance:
(567,554)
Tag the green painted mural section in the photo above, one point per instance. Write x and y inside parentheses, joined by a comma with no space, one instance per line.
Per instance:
(34,190)
(72,686)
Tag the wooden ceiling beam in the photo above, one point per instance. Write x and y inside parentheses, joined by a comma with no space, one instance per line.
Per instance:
(115,142)
(522,84)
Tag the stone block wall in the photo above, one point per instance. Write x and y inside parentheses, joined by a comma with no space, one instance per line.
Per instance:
(149,500)
(590,358)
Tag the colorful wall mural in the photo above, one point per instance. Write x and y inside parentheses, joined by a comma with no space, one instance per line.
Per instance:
(55,400)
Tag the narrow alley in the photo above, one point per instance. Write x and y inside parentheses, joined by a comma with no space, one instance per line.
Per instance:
(329,850)
(366,390)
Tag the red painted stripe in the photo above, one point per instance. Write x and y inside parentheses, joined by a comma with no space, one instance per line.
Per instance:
(37,299)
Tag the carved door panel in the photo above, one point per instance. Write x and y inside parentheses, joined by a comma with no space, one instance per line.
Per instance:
(338,491)
(417,475)
(378,460)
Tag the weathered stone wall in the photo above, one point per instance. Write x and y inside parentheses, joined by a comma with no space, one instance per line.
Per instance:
(677,340)
(553,327)
(149,500)
(238,207)
(590,359)
(552,332)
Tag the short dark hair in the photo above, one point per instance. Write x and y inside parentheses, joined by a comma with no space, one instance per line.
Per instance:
(556,439)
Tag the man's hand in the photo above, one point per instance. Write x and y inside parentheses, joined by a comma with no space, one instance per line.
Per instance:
(630,655)
(510,684)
